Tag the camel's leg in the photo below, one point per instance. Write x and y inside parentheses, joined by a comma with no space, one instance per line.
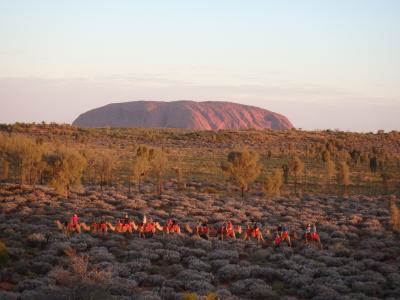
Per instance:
(260,238)
(319,243)
(289,241)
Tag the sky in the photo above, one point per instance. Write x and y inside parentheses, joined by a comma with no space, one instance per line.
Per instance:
(324,64)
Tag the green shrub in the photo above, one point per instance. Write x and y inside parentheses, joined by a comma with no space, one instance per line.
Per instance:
(4,255)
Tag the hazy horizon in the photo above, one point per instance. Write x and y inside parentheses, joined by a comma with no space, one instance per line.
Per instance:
(323,64)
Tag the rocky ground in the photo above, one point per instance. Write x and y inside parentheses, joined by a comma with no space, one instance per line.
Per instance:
(360,258)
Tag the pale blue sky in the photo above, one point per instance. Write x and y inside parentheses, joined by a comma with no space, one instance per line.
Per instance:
(322,63)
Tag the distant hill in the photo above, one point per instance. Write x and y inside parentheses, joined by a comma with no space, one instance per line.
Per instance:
(206,115)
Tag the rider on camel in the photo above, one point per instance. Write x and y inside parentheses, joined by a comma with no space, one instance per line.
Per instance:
(230,232)
(126,222)
(103,226)
(172,226)
(311,233)
(74,221)
(227,230)
(253,229)
(148,228)
(95,227)
(282,234)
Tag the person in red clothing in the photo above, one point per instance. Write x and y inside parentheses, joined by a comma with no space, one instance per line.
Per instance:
(282,234)
(311,235)
(103,226)
(74,221)
(172,227)
(95,227)
(227,230)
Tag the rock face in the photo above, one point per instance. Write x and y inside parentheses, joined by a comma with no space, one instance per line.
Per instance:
(183,114)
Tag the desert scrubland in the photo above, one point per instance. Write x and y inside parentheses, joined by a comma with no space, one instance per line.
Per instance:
(346,183)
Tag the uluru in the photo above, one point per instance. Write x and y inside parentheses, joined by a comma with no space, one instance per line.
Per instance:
(207,115)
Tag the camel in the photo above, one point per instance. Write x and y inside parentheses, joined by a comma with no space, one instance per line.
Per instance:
(68,228)
(171,227)
(122,228)
(282,235)
(201,230)
(311,236)
(149,228)
(100,227)
(228,230)
(253,232)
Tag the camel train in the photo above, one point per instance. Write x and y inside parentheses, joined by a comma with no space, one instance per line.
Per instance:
(227,230)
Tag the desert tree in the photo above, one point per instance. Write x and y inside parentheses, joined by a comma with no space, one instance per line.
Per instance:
(373,163)
(104,165)
(141,165)
(34,164)
(355,157)
(4,164)
(242,167)
(158,168)
(394,216)
(297,167)
(90,170)
(386,176)
(364,157)
(273,183)
(325,155)
(4,171)
(344,156)
(330,170)
(23,156)
(179,177)
(66,167)
(343,176)
(285,170)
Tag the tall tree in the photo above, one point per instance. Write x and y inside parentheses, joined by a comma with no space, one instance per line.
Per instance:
(330,171)
(242,168)
(159,165)
(343,176)
(66,167)
(104,166)
(273,183)
(298,168)
(141,165)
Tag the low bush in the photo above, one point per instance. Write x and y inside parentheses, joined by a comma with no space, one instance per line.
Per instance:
(4,254)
